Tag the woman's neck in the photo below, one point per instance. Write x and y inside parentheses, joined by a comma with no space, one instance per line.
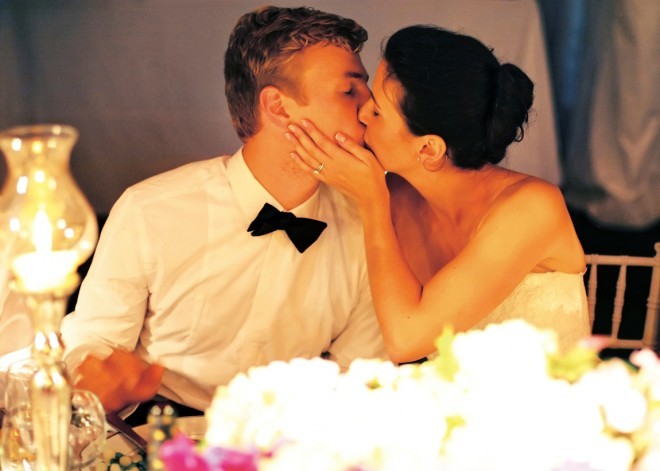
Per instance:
(452,192)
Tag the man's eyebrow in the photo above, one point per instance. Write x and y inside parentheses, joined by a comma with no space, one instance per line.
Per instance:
(358,75)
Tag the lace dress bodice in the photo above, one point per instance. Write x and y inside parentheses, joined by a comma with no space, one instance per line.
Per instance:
(552,300)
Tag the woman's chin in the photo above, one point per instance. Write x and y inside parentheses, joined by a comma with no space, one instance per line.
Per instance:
(368,147)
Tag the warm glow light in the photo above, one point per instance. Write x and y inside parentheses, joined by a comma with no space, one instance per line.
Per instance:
(37,147)
(21,185)
(44,269)
(42,233)
(40,176)
(14,224)
(16,144)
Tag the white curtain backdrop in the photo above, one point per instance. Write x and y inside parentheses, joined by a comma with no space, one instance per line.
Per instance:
(142,79)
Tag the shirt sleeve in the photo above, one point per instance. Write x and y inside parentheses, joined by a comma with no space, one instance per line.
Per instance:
(113,297)
(361,338)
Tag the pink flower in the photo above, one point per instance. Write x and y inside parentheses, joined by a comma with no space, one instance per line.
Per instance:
(226,459)
(595,342)
(180,454)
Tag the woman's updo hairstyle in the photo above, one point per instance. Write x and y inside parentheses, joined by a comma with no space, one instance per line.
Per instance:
(454,87)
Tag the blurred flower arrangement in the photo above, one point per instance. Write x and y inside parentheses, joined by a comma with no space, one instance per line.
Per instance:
(501,398)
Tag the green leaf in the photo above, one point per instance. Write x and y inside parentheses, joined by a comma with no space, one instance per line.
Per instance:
(572,365)
(446,363)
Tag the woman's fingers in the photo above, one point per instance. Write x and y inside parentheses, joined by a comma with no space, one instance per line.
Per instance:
(329,146)
(309,140)
(338,161)
(304,159)
(319,142)
(353,147)
(314,151)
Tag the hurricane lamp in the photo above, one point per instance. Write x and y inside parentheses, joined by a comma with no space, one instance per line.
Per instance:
(47,229)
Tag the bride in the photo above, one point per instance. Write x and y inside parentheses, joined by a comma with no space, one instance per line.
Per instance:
(451,237)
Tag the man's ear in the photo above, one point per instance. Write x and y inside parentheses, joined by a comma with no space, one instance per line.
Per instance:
(273,105)
(432,151)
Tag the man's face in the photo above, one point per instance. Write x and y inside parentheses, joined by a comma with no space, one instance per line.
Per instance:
(333,82)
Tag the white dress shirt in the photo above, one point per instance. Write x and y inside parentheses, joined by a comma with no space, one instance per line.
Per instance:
(177,277)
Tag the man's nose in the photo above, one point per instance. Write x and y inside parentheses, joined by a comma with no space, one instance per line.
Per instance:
(363,113)
(364,95)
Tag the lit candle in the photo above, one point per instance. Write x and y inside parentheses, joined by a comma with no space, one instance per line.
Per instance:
(44,269)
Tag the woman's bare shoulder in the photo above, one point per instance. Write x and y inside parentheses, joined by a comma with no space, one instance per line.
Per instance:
(527,201)
(527,191)
(535,210)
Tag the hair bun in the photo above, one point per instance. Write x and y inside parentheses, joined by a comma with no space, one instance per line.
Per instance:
(513,96)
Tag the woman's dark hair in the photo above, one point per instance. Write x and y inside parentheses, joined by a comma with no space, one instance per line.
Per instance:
(454,87)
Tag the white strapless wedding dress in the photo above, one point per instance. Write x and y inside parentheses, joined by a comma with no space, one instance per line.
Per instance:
(551,300)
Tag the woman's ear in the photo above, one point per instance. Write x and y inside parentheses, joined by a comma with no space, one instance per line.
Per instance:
(432,151)
(273,105)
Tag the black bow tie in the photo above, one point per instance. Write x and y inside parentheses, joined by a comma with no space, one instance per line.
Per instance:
(303,232)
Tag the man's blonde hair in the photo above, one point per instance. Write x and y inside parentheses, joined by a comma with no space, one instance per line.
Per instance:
(263,42)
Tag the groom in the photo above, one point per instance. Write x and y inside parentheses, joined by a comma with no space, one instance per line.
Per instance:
(180,297)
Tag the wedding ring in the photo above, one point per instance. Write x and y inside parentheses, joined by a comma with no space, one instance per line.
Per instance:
(318,169)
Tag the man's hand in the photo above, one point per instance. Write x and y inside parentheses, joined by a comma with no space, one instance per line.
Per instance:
(119,380)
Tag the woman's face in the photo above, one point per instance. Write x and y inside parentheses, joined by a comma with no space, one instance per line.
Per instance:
(387,134)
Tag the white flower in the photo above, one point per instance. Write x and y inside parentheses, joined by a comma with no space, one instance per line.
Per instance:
(510,355)
(649,462)
(610,385)
(649,374)
(501,409)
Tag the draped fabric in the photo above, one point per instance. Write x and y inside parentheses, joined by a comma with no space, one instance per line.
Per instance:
(142,79)
(605,61)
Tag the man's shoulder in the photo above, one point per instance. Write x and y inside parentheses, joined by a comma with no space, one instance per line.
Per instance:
(193,176)
(192,171)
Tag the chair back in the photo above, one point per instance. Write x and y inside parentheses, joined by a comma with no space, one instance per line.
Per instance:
(622,263)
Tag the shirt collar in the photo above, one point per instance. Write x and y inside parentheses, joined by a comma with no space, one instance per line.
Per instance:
(251,196)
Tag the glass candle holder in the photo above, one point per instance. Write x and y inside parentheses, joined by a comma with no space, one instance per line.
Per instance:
(47,229)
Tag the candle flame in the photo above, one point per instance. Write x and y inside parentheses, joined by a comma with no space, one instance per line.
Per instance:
(42,233)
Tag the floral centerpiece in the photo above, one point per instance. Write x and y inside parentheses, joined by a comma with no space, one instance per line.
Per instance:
(502,398)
